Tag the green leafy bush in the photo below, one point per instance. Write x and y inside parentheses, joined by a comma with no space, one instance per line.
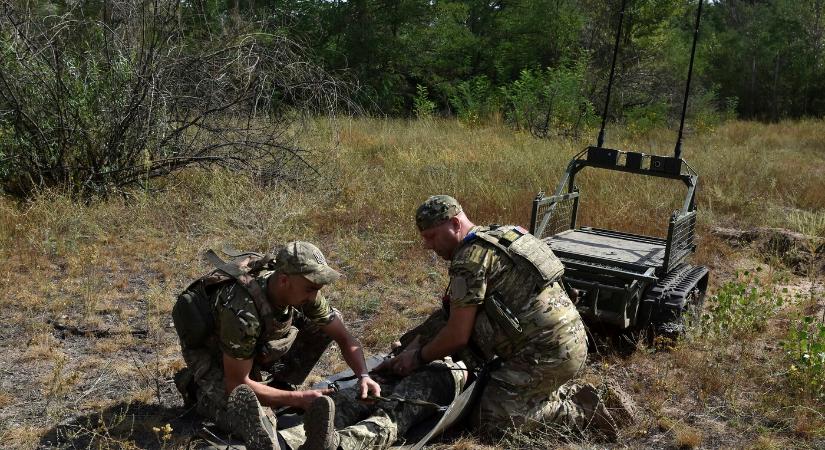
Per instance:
(550,101)
(473,100)
(805,347)
(644,118)
(423,107)
(741,307)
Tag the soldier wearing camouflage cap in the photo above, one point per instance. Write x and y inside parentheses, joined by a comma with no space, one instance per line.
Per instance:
(505,309)
(255,334)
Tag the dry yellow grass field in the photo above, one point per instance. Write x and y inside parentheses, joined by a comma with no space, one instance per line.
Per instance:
(114,266)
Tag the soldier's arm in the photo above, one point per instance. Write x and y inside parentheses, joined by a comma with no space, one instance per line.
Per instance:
(468,287)
(353,354)
(236,372)
(453,337)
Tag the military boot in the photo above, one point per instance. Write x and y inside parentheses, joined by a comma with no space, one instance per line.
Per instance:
(319,423)
(250,421)
(621,406)
(596,416)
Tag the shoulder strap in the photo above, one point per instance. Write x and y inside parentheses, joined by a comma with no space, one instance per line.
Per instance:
(501,237)
(245,279)
(530,249)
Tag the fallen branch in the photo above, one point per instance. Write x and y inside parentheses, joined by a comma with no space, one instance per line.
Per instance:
(77,331)
(800,251)
(779,239)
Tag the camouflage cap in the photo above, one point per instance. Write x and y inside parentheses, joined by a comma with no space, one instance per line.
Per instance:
(305,259)
(435,211)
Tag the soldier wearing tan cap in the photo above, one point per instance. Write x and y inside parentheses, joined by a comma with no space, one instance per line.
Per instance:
(254,334)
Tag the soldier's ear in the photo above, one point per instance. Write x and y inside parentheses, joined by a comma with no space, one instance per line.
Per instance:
(455,223)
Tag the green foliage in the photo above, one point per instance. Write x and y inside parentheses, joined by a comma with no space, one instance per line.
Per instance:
(524,34)
(805,347)
(730,107)
(550,101)
(769,55)
(423,107)
(474,100)
(641,119)
(741,307)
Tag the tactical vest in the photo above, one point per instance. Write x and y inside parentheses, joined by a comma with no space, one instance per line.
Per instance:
(524,249)
(527,253)
(192,313)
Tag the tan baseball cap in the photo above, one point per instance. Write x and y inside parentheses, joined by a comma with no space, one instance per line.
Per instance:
(305,259)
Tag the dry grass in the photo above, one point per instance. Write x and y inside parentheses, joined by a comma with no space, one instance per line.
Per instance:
(117,264)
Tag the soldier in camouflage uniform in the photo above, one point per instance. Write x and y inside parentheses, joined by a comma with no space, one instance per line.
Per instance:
(273,329)
(505,307)
(343,422)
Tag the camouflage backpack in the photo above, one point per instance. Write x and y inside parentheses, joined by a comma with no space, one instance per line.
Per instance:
(192,313)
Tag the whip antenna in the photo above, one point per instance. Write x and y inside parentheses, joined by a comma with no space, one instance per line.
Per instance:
(610,80)
(678,151)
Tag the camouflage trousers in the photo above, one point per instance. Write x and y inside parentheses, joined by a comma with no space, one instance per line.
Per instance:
(293,367)
(535,384)
(366,426)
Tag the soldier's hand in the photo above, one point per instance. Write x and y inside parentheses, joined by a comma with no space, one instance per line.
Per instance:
(385,366)
(406,362)
(305,398)
(368,386)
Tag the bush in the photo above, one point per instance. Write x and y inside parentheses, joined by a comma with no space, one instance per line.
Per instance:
(741,307)
(805,347)
(95,106)
(423,107)
(550,101)
(474,100)
(642,119)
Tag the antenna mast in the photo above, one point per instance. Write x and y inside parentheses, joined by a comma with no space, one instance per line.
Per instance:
(678,150)
(610,80)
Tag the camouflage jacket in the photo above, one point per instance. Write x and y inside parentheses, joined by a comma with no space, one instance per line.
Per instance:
(238,324)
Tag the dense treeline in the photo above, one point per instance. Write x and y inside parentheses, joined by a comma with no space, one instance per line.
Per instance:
(759,59)
(762,59)
(96,93)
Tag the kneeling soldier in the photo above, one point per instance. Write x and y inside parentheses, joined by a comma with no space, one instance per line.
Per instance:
(506,309)
(252,332)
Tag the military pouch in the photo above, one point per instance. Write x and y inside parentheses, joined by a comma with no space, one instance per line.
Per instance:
(498,312)
(271,351)
(192,317)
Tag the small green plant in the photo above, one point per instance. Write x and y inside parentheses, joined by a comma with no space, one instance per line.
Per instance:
(422,105)
(731,107)
(805,347)
(473,100)
(741,307)
(642,119)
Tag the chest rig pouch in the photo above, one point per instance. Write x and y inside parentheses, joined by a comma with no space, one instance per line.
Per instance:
(528,253)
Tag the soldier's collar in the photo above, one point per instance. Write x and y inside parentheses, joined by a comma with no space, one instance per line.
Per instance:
(471,235)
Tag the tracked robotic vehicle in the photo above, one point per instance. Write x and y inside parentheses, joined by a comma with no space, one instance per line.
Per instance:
(622,280)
